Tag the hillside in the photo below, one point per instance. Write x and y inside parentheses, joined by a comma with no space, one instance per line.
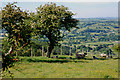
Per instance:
(93,30)
(94,34)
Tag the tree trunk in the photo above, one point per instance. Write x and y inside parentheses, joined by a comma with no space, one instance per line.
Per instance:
(50,48)
(10,51)
(51,45)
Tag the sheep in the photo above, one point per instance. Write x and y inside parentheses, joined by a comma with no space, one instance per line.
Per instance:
(103,55)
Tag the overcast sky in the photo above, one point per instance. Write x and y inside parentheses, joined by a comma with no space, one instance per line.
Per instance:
(83,9)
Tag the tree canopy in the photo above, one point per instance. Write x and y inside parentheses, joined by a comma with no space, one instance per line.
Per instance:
(18,29)
(50,20)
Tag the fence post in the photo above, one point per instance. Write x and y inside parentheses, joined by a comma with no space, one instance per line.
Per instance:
(70,51)
(42,50)
(61,49)
(31,52)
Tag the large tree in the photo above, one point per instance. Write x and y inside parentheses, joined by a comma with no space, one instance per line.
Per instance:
(50,20)
(16,24)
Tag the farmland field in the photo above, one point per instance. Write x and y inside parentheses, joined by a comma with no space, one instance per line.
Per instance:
(42,67)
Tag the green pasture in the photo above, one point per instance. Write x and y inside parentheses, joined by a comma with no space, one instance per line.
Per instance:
(42,67)
(98,43)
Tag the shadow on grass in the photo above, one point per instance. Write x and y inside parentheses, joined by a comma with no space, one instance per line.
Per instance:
(90,59)
(55,61)
(64,60)
(116,58)
(84,58)
(96,59)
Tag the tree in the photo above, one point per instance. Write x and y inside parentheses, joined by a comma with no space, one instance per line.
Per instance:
(117,49)
(17,26)
(51,20)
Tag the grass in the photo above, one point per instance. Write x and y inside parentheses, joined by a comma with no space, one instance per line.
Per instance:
(42,67)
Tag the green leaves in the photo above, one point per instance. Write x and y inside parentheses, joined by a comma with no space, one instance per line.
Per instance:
(15,21)
(18,27)
(117,47)
(50,19)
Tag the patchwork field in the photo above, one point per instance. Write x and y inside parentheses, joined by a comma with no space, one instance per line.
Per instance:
(42,67)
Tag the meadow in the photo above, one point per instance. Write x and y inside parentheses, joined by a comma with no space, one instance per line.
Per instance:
(32,34)
(43,67)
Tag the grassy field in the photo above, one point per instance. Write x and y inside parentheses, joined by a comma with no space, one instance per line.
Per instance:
(42,67)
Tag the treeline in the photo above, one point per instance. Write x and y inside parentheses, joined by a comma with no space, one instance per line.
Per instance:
(65,49)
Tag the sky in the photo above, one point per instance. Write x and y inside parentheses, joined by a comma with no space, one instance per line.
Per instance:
(61,0)
(82,9)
